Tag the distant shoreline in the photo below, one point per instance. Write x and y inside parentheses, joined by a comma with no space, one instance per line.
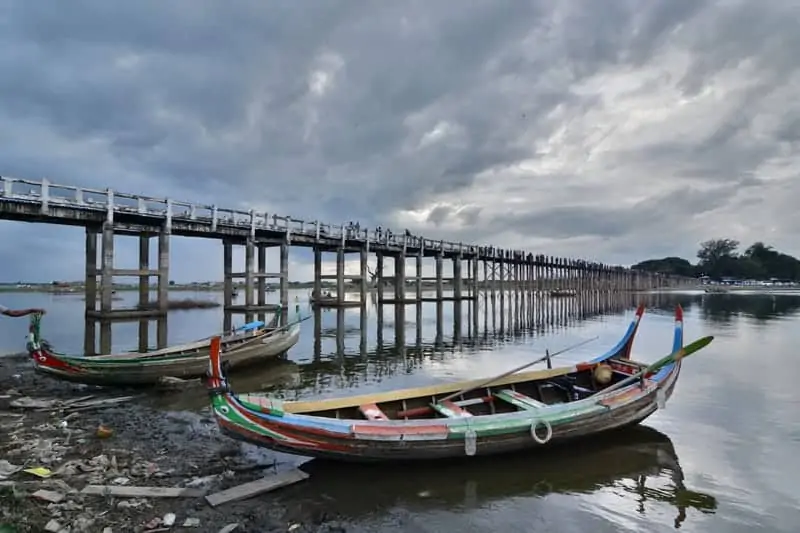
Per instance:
(723,289)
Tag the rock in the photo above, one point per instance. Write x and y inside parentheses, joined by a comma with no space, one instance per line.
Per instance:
(168,520)
(108,530)
(229,528)
(191,522)
(48,495)
(7,469)
(153,524)
(52,526)
(83,523)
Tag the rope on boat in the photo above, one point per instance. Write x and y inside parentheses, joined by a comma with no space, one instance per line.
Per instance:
(548,431)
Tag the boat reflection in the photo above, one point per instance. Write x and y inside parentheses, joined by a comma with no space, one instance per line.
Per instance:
(640,463)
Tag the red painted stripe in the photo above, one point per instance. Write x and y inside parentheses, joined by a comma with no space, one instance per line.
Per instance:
(384,430)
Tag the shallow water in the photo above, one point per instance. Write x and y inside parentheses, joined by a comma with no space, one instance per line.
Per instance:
(718,458)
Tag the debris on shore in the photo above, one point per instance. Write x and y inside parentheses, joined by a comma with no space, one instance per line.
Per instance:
(78,462)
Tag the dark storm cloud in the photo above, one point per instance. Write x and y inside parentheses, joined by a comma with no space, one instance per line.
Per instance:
(356,110)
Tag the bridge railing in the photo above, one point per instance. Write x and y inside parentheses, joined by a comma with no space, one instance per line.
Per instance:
(45,195)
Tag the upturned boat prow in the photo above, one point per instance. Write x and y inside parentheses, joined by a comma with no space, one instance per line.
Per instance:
(515,412)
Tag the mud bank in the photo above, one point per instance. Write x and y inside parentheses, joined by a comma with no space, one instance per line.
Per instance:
(42,425)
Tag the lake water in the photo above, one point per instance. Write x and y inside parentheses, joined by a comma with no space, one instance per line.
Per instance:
(719,458)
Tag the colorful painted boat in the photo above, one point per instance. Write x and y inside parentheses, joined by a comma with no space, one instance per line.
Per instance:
(517,412)
(250,344)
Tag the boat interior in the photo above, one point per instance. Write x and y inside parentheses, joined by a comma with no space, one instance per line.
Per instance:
(519,392)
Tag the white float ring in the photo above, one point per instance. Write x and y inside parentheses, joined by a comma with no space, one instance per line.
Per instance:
(549,431)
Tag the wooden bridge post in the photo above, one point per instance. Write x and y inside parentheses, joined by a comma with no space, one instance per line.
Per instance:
(107,269)
(400,278)
(501,281)
(340,274)
(317,292)
(227,274)
(261,279)
(249,277)
(284,290)
(457,277)
(90,283)
(364,273)
(163,270)
(418,284)
(379,276)
(144,289)
(475,286)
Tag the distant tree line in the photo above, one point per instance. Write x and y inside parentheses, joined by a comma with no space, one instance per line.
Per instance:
(718,258)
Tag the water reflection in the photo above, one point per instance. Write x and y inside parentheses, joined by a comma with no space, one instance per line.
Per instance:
(639,464)
(724,308)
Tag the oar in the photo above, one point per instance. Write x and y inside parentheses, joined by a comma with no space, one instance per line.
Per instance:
(674,357)
(515,370)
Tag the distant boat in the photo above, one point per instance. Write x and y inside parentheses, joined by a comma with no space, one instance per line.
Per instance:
(561,293)
(716,290)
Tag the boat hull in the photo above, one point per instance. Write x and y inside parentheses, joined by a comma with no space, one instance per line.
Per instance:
(148,369)
(450,442)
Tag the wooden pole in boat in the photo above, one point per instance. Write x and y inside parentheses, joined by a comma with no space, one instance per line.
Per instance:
(674,357)
(515,370)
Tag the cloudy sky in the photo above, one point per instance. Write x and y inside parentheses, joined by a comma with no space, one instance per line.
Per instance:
(613,131)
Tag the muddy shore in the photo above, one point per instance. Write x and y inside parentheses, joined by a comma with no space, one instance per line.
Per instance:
(42,424)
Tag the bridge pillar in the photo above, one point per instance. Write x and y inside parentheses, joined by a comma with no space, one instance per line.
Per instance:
(457,278)
(107,270)
(284,282)
(90,284)
(364,281)
(439,277)
(475,285)
(400,278)
(317,273)
(340,275)
(163,270)
(419,278)
(379,277)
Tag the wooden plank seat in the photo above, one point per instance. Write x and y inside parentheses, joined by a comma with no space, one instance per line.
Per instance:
(372,412)
(519,400)
(450,409)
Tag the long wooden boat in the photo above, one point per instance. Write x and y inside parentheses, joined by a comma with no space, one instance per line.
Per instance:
(519,411)
(243,347)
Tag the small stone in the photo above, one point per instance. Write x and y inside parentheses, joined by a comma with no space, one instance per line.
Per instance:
(168,520)
(191,522)
(52,526)
(48,495)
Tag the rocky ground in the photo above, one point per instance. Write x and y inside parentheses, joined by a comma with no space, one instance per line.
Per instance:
(78,437)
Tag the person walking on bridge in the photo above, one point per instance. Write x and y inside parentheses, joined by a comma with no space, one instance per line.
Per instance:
(5,311)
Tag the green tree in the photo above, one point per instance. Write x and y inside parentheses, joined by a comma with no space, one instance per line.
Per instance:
(713,251)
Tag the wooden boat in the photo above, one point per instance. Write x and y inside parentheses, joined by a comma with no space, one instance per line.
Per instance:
(563,293)
(329,300)
(250,344)
(515,412)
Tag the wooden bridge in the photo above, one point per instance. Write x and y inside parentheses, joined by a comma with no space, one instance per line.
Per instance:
(107,213)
